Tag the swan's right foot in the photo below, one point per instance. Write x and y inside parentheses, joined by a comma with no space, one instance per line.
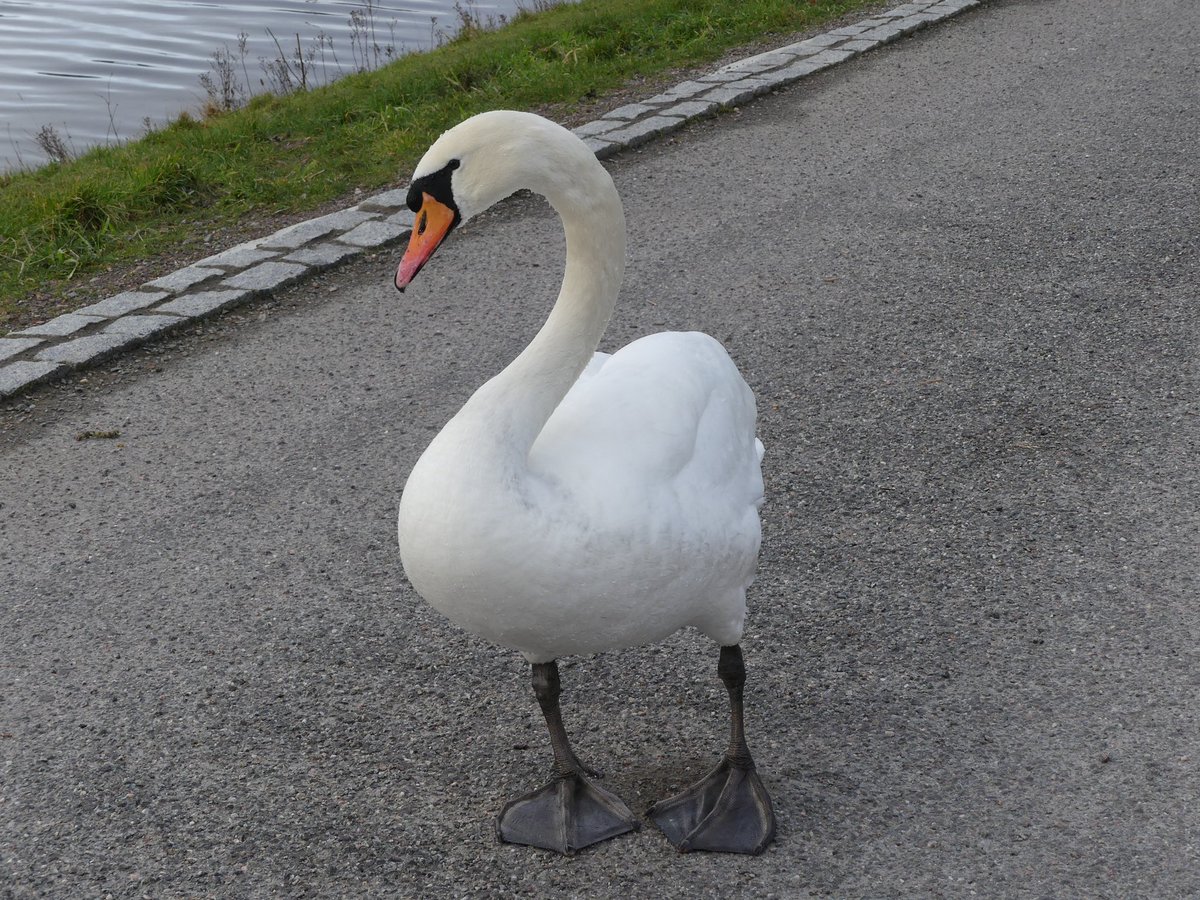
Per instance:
(566,815)
(570,812)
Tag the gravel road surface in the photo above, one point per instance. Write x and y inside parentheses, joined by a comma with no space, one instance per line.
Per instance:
(961,275)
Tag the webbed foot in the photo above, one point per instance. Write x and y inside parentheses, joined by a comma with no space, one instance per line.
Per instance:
(566,815)
(727,811)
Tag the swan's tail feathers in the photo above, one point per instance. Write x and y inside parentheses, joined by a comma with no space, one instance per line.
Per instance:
(759,449)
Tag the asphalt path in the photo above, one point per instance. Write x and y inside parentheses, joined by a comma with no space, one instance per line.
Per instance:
(961,276)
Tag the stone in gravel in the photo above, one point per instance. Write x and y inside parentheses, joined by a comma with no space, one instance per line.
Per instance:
(68,323)
(142,326)
(19,375)
(183,279)
(375,234)
(405,217)
(265,276)
(238,257)
(84,350)
(120,304)
(205,302)
(322,256)
(10,346)
(640,132)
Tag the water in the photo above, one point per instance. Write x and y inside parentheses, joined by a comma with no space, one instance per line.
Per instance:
(97,71)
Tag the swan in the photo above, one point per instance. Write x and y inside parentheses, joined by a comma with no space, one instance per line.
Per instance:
(580,501)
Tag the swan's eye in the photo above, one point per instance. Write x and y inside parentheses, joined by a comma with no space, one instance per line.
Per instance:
(422,222)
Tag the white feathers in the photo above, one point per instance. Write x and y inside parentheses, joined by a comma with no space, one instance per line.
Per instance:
(584,502)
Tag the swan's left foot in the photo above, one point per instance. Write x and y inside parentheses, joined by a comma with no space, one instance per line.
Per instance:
(727,811)
(566,815)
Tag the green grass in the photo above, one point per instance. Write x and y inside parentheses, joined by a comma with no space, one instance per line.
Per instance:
(66,222)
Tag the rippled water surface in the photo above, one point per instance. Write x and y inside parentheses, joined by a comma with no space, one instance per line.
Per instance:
(96,70)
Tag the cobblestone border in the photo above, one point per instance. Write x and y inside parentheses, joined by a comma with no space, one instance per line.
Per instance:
(86,336)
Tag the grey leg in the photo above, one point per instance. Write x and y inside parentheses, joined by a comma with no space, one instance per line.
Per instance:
(570,812)
(729,809)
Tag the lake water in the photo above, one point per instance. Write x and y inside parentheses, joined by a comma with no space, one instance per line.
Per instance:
(96,71)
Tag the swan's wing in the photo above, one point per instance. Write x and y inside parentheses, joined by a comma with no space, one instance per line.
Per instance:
(669,412)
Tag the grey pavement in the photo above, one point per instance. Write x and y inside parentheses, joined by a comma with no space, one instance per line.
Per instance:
(960,274)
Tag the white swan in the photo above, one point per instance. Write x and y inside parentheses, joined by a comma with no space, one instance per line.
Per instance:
(581,502)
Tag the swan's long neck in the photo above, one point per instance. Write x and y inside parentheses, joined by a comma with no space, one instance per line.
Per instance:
(516,403)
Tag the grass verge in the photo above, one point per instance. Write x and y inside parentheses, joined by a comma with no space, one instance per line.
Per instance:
(67,222)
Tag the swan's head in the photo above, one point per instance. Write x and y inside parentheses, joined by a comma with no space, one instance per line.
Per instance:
(481,161)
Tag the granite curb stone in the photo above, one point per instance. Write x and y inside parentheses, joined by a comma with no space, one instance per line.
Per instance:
(692,109)
(85,350)
(184,279)
(267,276)
(642,131)
(597,126)
(18,376)
(601,147)
(205,303)
(295,236)
(629,111)
(143,326)
(238,257)
(385,201)
(123,303)
(681,91)
(67,323)
(322,256)
(373,234)
(270,263)
(11,346)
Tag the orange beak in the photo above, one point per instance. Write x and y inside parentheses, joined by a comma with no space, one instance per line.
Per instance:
(434,222)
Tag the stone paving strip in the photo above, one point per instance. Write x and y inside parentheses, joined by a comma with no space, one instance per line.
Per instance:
(86,336)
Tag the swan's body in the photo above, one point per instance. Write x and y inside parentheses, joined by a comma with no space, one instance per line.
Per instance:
(578,501)
(633,514)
